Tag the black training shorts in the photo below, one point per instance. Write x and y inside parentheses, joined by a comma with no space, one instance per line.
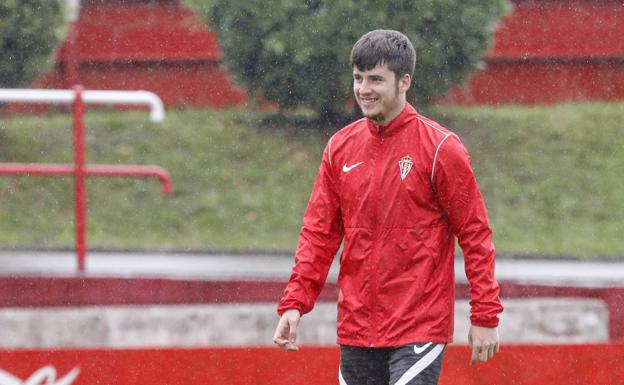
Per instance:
(413,364)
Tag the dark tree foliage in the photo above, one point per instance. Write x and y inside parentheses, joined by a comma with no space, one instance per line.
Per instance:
(28,34)
(296,52)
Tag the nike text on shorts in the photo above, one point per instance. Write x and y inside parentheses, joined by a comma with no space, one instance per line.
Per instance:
(413,364)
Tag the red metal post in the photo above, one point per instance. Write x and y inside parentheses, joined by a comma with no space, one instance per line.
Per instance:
(79,179)
(72,63)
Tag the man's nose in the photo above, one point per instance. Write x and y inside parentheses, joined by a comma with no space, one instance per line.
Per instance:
(364,87)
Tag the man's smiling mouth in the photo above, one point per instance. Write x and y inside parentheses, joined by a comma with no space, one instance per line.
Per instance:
(368,100)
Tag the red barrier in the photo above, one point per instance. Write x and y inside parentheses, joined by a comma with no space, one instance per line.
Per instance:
(35,291)
(517,365)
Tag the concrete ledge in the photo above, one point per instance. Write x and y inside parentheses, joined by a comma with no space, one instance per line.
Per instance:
(541,320)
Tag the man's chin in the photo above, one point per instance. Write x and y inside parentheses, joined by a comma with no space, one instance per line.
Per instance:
(374,116)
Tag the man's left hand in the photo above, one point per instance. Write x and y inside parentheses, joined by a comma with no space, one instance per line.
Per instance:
(483,342)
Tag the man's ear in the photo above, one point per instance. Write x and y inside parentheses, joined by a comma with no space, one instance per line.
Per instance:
(404,83)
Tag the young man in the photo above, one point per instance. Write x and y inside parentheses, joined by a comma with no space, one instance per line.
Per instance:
(399,188)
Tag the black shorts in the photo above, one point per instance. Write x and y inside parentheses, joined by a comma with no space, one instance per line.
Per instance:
(413,364)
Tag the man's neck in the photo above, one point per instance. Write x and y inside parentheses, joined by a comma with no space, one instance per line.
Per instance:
(392,115)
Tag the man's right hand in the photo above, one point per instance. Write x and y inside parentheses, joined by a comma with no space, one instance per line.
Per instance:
(286,331)
(484,342)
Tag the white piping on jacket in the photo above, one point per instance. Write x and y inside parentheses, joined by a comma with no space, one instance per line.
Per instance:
(329,150)
(436,156)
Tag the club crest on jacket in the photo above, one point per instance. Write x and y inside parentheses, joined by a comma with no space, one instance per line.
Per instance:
(405,165)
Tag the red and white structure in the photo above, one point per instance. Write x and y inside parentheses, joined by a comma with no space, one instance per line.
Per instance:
(77,98)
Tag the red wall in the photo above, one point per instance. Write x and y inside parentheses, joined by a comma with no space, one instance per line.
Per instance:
(561,28)
(160,47)
(193,84)
(142,33)
(542,82)
(514,365)
(551,51)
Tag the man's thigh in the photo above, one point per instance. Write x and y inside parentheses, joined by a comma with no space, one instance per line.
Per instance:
(416,364)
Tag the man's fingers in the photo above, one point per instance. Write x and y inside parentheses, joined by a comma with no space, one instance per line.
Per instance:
(280,330)
(277,336)
(485,353)
(491,351)
(286,345)
(484,343)
(292,335)
(281,334)
(481,352)
(286,333)
(280,338)
(475,354)
(291,347)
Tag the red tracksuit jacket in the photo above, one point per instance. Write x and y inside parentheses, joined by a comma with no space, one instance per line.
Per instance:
(398,195)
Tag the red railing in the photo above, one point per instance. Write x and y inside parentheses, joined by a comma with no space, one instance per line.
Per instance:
(80,170)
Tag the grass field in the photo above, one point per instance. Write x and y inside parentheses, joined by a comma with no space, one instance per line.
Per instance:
(550,175)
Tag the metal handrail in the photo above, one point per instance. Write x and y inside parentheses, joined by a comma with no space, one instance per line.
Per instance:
(105,97)
(79,169)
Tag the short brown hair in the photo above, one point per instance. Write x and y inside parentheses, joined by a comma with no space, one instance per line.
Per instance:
(384,46)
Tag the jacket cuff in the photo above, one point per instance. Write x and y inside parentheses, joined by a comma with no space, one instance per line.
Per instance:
(283,307)
(484,322)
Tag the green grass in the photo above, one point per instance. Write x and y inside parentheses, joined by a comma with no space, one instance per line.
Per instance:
(235,185)
(551,177)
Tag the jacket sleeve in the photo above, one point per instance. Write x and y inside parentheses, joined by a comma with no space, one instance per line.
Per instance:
(319,240)
(459,196)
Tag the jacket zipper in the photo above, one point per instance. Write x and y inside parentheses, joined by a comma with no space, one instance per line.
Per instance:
(376,233)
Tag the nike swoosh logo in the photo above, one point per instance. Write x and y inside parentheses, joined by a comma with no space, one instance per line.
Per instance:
(346,168)
(421,349)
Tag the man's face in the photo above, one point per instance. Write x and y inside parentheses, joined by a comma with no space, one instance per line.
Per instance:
(380,97)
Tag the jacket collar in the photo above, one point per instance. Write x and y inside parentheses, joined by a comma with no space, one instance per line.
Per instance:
(395,125)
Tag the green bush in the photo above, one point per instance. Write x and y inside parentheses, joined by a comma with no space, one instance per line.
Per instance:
(297,52)
(28,34)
